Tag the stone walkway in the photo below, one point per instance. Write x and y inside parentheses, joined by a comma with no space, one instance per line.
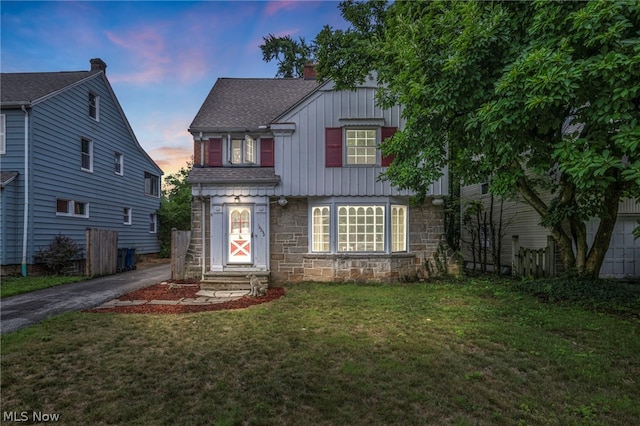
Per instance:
(205,297)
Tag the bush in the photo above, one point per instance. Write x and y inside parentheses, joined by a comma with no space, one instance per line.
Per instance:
(59,254)
(594,294)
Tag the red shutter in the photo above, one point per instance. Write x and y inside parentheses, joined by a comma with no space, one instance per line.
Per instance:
(266,152)
(333,147)
(387,132)
(215,152)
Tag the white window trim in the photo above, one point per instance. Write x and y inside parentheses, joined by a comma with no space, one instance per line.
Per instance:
(120,156)
(97,106)
(156,186)
(391,243)
(90,154)
(71,208)
(3,134)
(318,229)
(345,136)
(127,216)
(248,150)
(153,220)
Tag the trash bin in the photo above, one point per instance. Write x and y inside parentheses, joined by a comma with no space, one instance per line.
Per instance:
(130,260)
(121,262)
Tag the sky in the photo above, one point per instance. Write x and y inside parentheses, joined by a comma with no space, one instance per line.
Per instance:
(162,57)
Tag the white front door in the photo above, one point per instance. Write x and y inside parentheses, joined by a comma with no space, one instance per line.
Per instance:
(240,232)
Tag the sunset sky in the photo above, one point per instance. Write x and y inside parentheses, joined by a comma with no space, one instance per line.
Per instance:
(162,56)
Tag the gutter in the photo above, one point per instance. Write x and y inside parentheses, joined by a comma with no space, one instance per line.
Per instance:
(25,224)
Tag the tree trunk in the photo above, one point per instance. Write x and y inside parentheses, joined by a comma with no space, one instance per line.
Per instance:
(603,234)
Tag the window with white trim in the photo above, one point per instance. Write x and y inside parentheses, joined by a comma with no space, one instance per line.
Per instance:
(118,163)
(86,155)
(71,208)
(320,228)
(358,228)
(361,146)
(94,106)
(151,184)
(398,228)
(361,228)
(126,216)
(3,135)
(243,151)
(153,223)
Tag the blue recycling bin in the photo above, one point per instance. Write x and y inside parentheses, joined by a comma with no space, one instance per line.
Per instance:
(130,259)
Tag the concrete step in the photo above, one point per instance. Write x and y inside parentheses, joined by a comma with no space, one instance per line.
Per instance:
(231,280)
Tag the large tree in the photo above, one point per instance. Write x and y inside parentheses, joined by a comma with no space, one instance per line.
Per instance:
(290,54)
(542,97)
(175,207)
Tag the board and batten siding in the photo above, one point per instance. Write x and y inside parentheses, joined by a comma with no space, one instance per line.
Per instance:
(57,126)
(300,155)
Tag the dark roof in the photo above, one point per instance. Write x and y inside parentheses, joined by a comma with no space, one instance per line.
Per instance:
(21,88)
(238,175)
(6,177)
(248,103)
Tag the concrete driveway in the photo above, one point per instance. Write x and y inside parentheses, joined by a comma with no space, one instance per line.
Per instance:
(20,311)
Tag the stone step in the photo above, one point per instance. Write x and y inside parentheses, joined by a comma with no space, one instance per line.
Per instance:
(231,280)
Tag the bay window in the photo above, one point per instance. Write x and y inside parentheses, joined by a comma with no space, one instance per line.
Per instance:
(358,228)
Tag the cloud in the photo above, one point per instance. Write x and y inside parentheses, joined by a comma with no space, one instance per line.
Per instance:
(274,7)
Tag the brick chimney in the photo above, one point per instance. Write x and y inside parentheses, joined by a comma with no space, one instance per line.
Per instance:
(98,64)
(309,71)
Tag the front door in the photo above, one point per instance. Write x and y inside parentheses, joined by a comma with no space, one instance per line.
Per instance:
(240,235)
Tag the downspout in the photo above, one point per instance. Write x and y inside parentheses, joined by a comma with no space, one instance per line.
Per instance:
(25,224)
(202,230)
(203,211)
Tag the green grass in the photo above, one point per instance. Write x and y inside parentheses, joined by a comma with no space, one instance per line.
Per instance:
(10,286)
(460,352)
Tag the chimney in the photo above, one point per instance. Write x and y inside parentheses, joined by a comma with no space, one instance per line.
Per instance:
(98,64)
(309,71)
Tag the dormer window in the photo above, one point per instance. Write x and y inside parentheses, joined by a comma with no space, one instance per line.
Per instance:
(243,151)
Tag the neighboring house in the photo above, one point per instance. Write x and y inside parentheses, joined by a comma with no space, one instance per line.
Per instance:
(285,185)
(621,261)
(70,161)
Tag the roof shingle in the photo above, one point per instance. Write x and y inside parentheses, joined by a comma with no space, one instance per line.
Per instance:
(16,88)
(248,103)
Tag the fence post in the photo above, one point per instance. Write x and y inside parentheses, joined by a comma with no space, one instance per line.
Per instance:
(515,249)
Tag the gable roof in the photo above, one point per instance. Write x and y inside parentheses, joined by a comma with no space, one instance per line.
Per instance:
(241,104)
(30,87)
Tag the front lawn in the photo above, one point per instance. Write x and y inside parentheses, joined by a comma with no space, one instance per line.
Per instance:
(458,352)
(11,286)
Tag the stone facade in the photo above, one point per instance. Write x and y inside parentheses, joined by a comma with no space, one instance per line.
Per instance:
(290,260)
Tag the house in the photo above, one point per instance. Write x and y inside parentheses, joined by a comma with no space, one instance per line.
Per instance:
(521,221)
(285,186)
(70,161)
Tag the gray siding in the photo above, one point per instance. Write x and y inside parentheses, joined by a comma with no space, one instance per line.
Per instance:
(300,156)
(13,194)
(57,126)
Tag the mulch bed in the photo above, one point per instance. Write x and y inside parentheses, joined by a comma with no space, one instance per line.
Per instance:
(174,291)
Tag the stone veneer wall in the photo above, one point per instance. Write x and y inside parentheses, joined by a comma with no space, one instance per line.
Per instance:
(194,253)
(291,261)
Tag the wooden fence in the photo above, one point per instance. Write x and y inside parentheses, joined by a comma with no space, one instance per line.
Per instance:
(179,245)
(102,252)
(536,263)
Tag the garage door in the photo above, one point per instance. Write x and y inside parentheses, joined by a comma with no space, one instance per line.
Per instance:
(623,257)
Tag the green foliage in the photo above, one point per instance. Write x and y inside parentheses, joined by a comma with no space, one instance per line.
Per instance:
(12,286)
(59,254)
(175,208)
(597,295)
(542,96)
(290,54)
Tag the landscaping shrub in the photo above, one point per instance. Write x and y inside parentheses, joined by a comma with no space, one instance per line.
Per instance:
(59,254)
